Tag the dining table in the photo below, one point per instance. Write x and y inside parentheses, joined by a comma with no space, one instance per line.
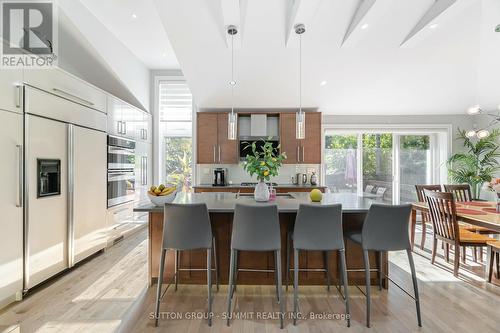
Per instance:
(478,213)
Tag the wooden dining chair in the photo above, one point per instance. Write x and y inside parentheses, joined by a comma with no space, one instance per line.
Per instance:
(443,213)
(425,216)
(462,193)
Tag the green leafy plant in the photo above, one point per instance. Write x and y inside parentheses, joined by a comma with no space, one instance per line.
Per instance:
(265,162)
(478,164)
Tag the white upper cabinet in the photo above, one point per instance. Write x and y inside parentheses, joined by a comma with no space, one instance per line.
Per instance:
(58,82)
(127,121)
(145,127)
(10,90)
(115,123)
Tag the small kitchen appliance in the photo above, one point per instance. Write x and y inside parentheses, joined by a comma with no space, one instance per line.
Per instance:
(220,177)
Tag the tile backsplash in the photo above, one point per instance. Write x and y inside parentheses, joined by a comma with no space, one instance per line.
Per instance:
(236,174)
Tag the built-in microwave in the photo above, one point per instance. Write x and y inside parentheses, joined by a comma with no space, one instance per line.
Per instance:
(246,149)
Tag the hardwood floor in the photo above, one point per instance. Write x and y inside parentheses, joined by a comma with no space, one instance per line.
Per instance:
(109,293)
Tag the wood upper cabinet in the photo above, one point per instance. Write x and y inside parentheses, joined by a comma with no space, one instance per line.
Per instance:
(206,137)
(308,150)
(227,150)
(288,141)
(311,145)
(213,147)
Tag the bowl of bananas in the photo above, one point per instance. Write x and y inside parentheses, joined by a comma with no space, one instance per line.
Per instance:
(160,195)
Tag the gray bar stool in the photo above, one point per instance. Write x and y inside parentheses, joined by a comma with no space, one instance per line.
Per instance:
(319,228)
(255,228)
(386,229)
(187,227)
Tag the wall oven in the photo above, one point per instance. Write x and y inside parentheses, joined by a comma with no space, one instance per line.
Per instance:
(121,175)
(121,153)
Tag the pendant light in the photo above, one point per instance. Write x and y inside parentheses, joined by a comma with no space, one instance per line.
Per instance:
(300,121)
(232,129)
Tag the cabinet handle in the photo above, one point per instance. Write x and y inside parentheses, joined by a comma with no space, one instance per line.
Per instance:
(19,196)
(145,134)
(124,127)
(145,170)
(81,100)
(18,95)
(219,154)
(303,157)
(118,127)
(214,155)
(298,154)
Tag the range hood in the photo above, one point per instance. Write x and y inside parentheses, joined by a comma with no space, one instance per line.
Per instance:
(258,126)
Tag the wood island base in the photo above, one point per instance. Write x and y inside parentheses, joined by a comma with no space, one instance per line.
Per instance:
(221,225)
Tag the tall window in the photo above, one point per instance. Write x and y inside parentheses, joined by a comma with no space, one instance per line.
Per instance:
(175,107)
(384,164)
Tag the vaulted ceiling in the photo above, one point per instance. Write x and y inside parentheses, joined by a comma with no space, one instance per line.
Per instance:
(359,56)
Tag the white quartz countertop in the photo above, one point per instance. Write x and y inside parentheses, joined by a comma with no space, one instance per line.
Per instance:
(224,202)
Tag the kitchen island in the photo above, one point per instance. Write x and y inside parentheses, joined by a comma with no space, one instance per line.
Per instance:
(221,208)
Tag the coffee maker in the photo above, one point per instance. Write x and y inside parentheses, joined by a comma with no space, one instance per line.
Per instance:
(220,177)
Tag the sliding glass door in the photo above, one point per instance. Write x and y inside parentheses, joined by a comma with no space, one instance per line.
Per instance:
(414,164)
(377,165)
(383,164)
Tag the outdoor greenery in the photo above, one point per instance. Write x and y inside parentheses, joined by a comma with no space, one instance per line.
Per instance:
(264,163)
(178,159)
(377,157)
(478,164)
(341,150)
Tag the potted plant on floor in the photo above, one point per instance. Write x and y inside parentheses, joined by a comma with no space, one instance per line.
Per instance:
(265,163)
(478,164)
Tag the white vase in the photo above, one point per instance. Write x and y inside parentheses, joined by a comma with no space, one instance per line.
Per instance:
(261,192)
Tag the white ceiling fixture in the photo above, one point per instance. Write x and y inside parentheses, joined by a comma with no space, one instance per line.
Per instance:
(364,26)
(138,26)
(483,132)
(439,11)
(233,14)
(299,12)
(232,131)
(323,83)
(300,119)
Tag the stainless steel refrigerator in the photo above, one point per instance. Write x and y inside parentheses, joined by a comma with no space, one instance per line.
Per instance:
(65,188)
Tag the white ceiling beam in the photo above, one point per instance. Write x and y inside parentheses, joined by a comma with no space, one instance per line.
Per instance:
(429,21)
(233,13)
(361,12)
(299,11)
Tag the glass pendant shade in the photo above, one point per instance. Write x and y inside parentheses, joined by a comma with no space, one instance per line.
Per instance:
(470,134)
(482,134)
(232,130)
(300,125)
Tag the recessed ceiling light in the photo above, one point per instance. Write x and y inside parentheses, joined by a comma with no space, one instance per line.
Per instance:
(134,16)
(323,83)
(164,54)
(433,26)
(364,26)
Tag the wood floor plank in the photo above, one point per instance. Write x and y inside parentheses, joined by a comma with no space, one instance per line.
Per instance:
(110,294)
